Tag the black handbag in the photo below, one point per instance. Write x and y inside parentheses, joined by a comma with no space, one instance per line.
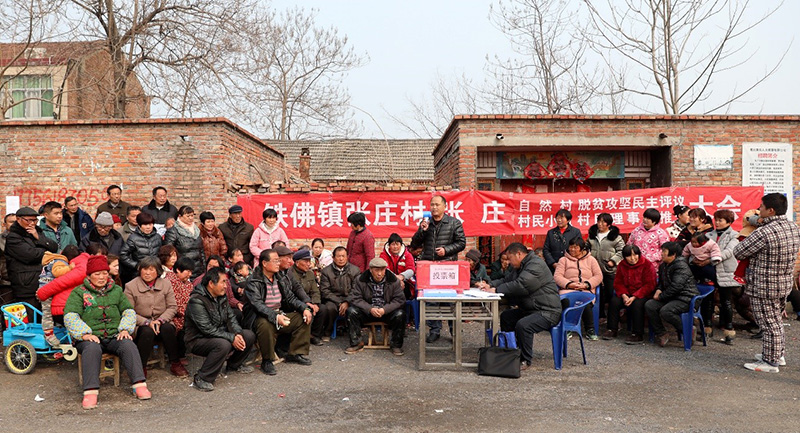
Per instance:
(499,361)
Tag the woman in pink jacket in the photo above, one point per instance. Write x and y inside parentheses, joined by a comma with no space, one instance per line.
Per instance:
(578,271)
(649,237)
(267,233)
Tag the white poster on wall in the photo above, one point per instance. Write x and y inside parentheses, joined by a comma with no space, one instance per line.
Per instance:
(12,204)
(769,165)
(713,157)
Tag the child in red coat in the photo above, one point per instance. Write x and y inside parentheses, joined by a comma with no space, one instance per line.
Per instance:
(69,272)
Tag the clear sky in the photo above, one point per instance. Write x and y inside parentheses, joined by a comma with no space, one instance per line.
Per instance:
(408,42)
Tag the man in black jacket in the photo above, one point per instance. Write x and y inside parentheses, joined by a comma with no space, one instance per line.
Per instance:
(212,331)
(529,285)
(377,296)
(237,233)
(557,239)
(676,288)
(272,310)
(335,283)
(6,293)
(161,209)
(441,239)
(77,219)
(25,247)
(104,233)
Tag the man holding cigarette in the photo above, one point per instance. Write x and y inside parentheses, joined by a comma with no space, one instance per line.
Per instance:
(272,309)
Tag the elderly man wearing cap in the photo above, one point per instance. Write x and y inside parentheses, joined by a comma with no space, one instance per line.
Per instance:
(102,233)
(237,233)
(25,247)
(286,256)
(376,296)
(301,272)
(273,310)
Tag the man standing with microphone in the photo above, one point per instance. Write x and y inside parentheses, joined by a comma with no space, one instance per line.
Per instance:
(441,239)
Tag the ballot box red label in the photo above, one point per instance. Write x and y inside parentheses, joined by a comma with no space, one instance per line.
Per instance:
(443,275)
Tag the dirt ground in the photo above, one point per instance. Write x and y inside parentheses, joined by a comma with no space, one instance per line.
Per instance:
(623,388)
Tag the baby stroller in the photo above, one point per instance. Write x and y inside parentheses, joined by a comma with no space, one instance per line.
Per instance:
(24,340)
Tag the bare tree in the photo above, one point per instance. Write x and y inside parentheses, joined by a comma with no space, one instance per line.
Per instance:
(150,37)
(427,117)
(675,48)
(287,76)
(550,73)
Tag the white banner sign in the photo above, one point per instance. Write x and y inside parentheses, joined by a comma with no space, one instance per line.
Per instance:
(713,157)
(769,165)
(12,204)
(444,275)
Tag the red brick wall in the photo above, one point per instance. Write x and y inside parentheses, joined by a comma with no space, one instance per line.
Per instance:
(50,160)
(88,94)
(446,162)
(683,132)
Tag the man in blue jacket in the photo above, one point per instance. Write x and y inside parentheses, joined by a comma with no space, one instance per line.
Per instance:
(79,221)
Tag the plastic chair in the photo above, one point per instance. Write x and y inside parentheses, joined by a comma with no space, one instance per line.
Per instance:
(335,325)
(570,321)
(687,318)
(596,309)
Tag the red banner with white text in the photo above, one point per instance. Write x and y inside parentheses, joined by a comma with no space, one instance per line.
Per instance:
(487,213)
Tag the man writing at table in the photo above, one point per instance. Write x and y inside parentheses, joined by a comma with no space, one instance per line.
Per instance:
(528,285)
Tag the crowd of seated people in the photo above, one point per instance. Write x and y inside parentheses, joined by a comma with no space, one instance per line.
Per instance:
(216,291)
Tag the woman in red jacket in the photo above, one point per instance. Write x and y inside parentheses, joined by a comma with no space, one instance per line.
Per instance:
(634,285)
(401,263)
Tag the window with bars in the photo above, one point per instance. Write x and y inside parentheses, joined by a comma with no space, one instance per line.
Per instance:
(32,96)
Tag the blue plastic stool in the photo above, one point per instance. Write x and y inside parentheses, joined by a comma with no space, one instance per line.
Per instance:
(335,325)
(596,309)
